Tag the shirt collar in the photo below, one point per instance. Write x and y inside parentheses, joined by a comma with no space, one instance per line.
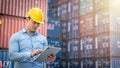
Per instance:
(25,31)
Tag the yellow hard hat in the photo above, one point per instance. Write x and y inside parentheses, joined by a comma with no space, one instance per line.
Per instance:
(36,15)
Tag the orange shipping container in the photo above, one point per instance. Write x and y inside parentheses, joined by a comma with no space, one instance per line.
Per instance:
(86,25)
(10,25)
(21,7)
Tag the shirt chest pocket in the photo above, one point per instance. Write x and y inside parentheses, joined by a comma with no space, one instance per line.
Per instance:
(25,44)
(38,44)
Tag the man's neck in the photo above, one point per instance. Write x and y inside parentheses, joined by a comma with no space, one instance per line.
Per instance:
(29,32)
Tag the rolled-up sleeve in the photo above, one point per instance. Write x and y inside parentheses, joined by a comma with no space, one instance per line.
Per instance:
(14,53)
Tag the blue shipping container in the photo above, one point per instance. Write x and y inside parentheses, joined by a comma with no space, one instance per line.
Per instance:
(116,63)
(56,64)
(55,43)
(53,28)
(5,59)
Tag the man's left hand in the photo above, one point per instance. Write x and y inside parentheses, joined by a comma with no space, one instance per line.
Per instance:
(51,58)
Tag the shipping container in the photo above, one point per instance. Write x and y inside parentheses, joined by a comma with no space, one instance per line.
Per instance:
(56,64)
(103,28)
(101,4)
(63,11)
(87,47)
(86,6)
(73,64)
(53,28)
(54,12)
(53,42)
(102,17)
(103,63)
(4,58)
(72,48)
(107,21)
(73,28)
(115,21)
(116,63)
(64,50)
(102,45)
(10,25)
(49,10)
(61,1)
(107,45)
(53,2)
(64,64)
(21,7)
(115,45)
(73,8)
(87,63)
(86,25)
(64,30)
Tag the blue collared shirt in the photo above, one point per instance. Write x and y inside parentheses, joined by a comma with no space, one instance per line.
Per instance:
(21,45)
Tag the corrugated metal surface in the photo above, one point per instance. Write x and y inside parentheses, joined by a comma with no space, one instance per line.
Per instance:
(101,4)
(64,50)
(62,11)
(11,25)
(86,6)
(86,25)
(102,17)
(53,28)
(64,64)
(115,45)
(4,57)
(62,1)
(49,10)
(87,63)
(73,28)
(73,46)
(21,7)
(103,63)
(0,5)
(116,63)
(64,30)
(73,64)
(115,21)
(73,8)
(87,46)
(102,45)
(54,12)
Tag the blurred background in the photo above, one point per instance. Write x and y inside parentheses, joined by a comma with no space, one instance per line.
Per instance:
(88,31)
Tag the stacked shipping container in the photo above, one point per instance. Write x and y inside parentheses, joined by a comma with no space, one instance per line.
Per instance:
(68,15)
(90,33)
(54,32)
(12,17)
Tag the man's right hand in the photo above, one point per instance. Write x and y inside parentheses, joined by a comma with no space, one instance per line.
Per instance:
(36,52)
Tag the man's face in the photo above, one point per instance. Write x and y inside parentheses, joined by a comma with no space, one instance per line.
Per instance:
(32,25)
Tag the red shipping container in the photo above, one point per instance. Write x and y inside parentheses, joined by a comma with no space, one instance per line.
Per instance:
(82,26)
(62,1)
(0,5)
(87,25)
(11,25)
(89,20)
(21,7)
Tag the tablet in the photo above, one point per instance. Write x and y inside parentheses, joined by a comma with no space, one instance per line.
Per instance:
(48,51)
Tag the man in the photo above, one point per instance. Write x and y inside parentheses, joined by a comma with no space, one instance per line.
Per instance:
(25,45)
